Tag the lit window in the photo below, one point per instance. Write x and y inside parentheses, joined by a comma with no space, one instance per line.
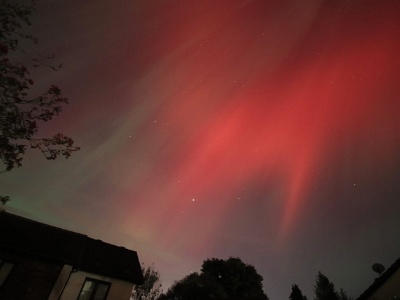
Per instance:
(5,269)
(94,289)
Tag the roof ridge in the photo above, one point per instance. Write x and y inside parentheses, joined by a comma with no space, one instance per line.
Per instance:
(380,280)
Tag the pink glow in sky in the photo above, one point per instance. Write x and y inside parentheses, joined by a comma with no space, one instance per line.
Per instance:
(267,130)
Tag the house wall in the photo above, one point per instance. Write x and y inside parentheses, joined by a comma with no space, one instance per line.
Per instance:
(119,289)
(389,289)
(29,279)
(61,282)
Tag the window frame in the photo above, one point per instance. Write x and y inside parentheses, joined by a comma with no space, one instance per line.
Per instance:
(97,283)
(6,267)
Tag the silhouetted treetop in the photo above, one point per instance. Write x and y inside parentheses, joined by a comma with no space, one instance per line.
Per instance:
(21,112)
(296,293)
(324,289)
(219,279)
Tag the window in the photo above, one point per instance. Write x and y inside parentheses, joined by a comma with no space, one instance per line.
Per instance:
(5,270)
(94,289)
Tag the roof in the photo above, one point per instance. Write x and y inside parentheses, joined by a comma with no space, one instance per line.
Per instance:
(380,280)
(25,236)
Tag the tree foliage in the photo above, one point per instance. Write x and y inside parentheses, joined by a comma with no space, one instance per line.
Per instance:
(324,289)
(219,279)
(296,293)
(151,287)
(343,295)
(195,286)
(21,112)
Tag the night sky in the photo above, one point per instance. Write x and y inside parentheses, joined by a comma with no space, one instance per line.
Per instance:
(265,130)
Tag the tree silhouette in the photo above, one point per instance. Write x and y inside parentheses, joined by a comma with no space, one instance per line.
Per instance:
(343,295)
(219,279)
(195,286)
(324,289)
(296,293)
(20,112)
(151,287)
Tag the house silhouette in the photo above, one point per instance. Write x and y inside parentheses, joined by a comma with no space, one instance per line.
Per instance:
(40,261)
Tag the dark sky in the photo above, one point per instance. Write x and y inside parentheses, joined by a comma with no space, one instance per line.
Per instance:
(265,130)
